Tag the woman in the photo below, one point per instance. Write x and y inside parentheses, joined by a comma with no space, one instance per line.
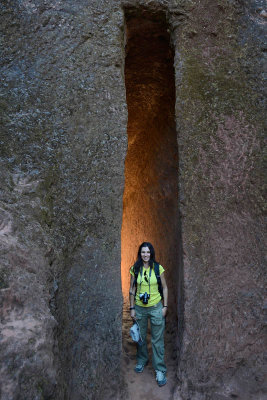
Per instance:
(145,302)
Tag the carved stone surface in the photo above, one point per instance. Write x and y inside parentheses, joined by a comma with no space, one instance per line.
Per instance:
(64,113)
(220,125)
(63,146)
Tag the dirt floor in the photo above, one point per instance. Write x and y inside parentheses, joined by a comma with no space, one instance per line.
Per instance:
(143,386)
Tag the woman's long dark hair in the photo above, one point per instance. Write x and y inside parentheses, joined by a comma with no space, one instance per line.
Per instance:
(139,262)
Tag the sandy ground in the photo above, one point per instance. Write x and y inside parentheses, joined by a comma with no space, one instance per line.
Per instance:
(143,386)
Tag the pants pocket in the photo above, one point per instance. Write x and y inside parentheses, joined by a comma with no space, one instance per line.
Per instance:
(157,319)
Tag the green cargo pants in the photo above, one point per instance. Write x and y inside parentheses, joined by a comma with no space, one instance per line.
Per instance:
(157,323)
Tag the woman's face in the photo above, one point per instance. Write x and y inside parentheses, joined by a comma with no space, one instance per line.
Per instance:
(145,254)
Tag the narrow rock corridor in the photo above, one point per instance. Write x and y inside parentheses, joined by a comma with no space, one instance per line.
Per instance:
(125,121)
(150,203)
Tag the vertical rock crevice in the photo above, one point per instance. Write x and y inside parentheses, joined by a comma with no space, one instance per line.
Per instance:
(150,202)
(63,145)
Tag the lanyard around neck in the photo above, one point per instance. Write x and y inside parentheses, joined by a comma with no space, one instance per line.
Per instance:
(141,274)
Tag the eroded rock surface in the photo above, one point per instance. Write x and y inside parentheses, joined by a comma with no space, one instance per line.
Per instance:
(63,146)
(64,127)
(27,327)
(220,127)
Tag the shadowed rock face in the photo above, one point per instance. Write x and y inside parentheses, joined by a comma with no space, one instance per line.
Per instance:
(219,99)
(64,138)
(27,326)
(63,146)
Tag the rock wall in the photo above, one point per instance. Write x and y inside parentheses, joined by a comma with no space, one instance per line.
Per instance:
(64,138)
(219,55)
(63,146)
(27,326)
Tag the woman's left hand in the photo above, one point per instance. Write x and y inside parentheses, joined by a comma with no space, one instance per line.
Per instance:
(164,311)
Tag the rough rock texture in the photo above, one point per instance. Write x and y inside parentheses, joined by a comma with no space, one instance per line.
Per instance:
(63,146)
(64,117)
(27,326)
(219,57)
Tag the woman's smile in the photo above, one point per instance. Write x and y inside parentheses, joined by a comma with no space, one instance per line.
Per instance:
(145,254)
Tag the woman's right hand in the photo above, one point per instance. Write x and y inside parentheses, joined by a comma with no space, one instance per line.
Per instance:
(133,314)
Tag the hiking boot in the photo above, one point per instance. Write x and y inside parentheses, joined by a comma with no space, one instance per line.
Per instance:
(160,378)
(139,368)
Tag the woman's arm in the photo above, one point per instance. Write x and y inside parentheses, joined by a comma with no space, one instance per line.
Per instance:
(132,296)
(165,294)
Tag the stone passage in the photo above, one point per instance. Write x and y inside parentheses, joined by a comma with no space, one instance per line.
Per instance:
(150,202)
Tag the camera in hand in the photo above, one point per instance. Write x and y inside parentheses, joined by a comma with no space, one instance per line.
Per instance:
(144,297)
